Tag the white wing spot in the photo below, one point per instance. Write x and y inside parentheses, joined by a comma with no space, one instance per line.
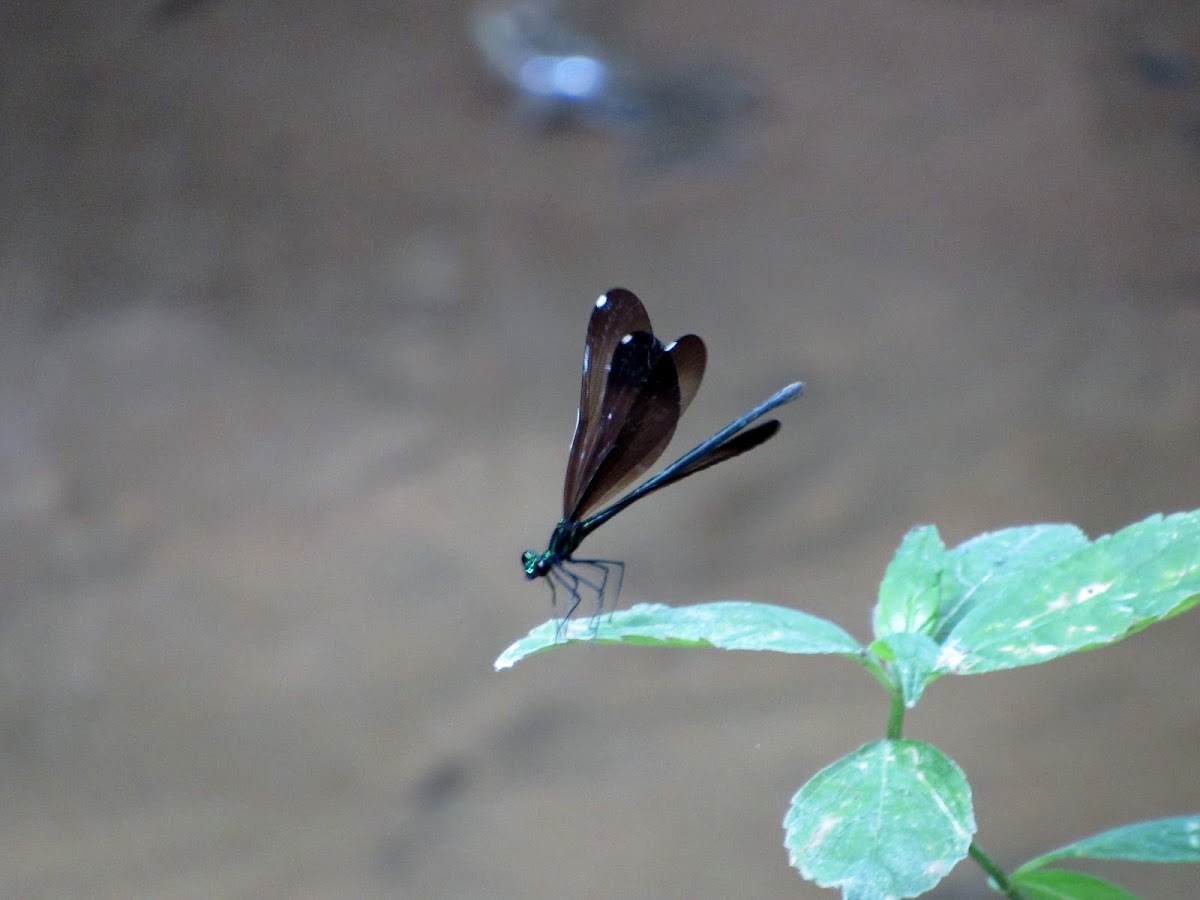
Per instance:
(627,339)
(601,301)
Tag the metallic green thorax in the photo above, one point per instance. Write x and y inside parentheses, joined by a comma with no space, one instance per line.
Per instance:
(567,537)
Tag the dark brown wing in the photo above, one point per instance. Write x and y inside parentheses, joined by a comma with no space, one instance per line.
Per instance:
(650,422)
(690,358)
(617,313)
(640,407)
(643,391)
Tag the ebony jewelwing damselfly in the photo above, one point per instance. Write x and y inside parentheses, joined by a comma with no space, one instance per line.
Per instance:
(634,391)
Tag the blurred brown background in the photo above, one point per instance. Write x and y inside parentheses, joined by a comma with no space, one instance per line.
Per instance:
(294,301)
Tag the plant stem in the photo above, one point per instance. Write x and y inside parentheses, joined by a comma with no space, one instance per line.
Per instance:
(895,725)
(997,874)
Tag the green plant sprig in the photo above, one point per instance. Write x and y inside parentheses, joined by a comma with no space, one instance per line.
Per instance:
(893,817)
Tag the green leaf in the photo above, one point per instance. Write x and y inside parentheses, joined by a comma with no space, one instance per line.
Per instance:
(1094,596)
(729,625)
(1063,884)
(985,567)
(909,593)
(889,820)
(1175,840)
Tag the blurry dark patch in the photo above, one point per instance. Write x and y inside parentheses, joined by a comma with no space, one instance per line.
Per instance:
(522,742)
(1166,70)
(424,820)
(440,785)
